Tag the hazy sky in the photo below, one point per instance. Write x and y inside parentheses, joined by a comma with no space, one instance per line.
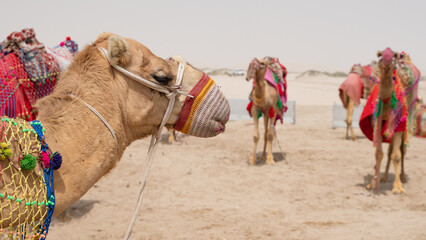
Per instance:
(226,33)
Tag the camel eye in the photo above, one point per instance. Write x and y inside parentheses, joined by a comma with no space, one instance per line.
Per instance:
(162,79)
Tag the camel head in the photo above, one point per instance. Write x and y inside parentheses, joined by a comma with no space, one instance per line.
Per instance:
(256,69)
(145,107)
(387,60)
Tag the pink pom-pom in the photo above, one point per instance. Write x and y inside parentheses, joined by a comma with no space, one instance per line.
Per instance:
(61,44)
(68,38)
(45,159)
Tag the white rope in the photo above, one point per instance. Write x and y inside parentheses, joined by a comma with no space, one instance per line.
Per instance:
(97,114)
(171,93)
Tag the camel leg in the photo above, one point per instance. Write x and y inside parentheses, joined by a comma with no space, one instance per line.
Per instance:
(252,159)
(385,176)
(349,113)
(403,151)
(265,137)
(270,139)
(379,156)
(396,158)
(171,136)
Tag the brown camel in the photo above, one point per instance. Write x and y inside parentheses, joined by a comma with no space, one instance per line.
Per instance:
(410,76)
(133,110)
(351,91)
(387,103)
(264,100)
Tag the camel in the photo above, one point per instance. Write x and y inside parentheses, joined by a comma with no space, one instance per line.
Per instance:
(133,111)
(410,76)
(351,91)
(384,117)
(265,100)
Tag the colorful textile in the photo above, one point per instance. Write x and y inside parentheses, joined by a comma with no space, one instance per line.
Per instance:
(372,115)
(26,181)
(275,75)
(27,73)
(199,115)
(353,87)
(420,122)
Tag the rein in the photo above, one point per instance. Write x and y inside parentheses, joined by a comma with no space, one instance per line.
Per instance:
(171,93)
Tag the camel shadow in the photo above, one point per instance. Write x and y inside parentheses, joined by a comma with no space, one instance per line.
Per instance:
(384,188)
(76,211)
(278,157)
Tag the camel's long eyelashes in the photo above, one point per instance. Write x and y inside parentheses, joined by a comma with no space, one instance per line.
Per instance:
(162,79)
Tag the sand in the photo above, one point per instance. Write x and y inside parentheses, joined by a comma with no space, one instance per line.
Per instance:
(205,188)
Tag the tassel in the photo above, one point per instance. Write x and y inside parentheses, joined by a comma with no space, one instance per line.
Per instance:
(379,109)
(45,159)
(249,107)
(276,78)
(394,100)
(271,113)
(56,160)
(28,162)
(259,114)
(279,103)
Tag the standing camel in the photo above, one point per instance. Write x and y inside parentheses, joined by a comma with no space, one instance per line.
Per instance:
(384,117)
(352,90)
(409,75)
(268,98)
(89,149)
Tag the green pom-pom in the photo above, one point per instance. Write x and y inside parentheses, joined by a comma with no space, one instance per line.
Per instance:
(28,162)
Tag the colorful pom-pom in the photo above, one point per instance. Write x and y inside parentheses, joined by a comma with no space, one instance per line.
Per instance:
(45,159)
(61,44)
(5,151)
(68,38)
(28,162)
(56,160)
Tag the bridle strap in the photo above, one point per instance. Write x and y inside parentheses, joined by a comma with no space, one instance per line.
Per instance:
(97,114)
(171,93)
(147,83)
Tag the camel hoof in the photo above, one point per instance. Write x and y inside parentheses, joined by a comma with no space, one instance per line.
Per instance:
(397,188)
(354,139)
(384,179)
(403,178)
(252,160)
(369,186)
(270,160)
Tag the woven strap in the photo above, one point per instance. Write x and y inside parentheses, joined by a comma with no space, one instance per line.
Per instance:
(48,177)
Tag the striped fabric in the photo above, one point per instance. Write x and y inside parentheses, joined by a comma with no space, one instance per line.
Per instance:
(204,115)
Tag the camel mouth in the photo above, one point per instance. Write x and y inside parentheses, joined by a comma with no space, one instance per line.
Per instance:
(220,128)
(222,124)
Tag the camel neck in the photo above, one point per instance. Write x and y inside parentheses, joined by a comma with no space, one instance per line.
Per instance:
(88,149)
(259,86)
(386,84)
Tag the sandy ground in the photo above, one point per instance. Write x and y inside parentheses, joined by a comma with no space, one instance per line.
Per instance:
(205,188)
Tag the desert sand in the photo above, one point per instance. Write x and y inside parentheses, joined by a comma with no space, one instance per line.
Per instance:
(205,188)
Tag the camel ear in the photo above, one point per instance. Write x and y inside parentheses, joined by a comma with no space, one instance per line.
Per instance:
(119,51)
(396,55)
(379,53)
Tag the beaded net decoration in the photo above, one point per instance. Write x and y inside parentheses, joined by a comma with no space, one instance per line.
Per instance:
(29,71)
(27,196)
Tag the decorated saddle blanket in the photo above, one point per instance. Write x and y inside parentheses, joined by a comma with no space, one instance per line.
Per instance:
(373,114)
(29,71)
(353,87)
(420,122)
